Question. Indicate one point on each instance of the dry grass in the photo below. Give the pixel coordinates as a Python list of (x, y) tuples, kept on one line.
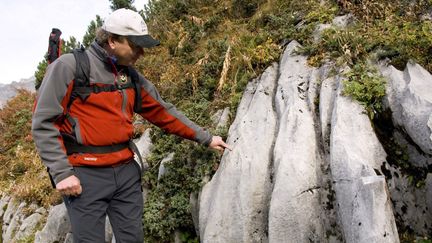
[(226, 65), (22, 173)]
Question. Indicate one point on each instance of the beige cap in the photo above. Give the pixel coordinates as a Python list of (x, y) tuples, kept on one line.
[(126, 22)]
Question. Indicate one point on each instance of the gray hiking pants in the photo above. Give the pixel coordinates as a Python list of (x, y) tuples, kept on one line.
[(113, 191)]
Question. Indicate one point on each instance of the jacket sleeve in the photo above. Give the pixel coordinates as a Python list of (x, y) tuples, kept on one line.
[(166, 116), (48, 110)]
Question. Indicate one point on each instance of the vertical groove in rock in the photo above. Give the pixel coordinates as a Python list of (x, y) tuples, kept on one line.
[(294, 207), (271, 155), (321, 103)]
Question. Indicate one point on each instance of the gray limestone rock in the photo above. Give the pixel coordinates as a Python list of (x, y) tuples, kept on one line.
[(28, 226), (4, 201), (427, 16), (357, 186), (220, 120), (409, 96), (254, 197), (14, 216), (108, 231), (234, 204), (326, 102), (294, 207), (16, 225), (339, 22), (343, 21), (68, 238), (57, 226), (221, 117), (373, 219), (429, 195), (144, 145), (12, 207), (162, 168), (319, 30), (194, 208), (411, 204)]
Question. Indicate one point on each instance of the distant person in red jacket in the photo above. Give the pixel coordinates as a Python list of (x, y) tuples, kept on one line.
[(82, 127)]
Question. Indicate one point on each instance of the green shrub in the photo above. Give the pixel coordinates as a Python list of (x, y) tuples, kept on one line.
[(22, 174), (244, 8), (365, 85), (40, 72), (167, 206), (212, 22)]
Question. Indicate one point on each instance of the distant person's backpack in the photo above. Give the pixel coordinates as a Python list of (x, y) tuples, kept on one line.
[(54, 45), (54, 51)]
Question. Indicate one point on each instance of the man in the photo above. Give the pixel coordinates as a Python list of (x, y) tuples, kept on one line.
[(82, 133)]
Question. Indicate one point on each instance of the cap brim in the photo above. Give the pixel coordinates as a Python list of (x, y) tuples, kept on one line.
[(145, 41)]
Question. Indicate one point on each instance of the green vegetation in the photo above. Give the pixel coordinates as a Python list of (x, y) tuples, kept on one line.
[(167, 206), (364, 84), (383, 29), (209, 51), (40, 72), (406, 238), (91, 32), (424, 241), (22, 173), (116, 4)]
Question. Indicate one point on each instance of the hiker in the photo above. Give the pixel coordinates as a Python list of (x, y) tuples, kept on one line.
[(82, 127)]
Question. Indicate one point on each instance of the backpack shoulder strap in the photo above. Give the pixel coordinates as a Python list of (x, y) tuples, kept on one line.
[(136, 85), (82, 71), (82, 75), (82, 80)]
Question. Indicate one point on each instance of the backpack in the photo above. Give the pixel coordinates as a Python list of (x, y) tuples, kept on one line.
[(82, 90), (54, 45)]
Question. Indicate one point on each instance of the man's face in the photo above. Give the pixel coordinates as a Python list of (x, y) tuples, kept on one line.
[(126, 52)]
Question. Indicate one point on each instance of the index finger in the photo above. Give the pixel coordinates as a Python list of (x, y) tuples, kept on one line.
[(225, 145)]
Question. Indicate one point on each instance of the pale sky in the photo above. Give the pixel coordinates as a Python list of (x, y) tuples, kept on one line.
[(26, 25)]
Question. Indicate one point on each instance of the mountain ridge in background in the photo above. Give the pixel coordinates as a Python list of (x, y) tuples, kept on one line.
[(8, 91)]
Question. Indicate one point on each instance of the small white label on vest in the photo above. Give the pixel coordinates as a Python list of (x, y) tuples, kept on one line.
[(90, 158)]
